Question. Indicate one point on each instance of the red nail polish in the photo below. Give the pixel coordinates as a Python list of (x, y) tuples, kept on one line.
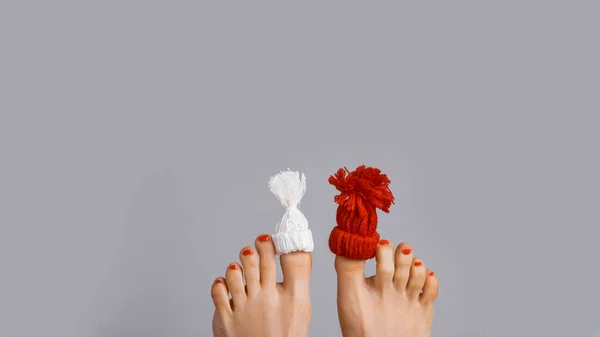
[(233, 266), (218, 280), (384, 242), (247, 251), (418, 263), (263, 238), (406, 251), (430, 273)]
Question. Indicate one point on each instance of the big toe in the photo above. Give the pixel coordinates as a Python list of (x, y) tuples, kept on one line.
[(296, 268), (349, 270)]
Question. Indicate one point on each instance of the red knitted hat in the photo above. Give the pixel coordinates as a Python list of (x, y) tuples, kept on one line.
[(362, 192)]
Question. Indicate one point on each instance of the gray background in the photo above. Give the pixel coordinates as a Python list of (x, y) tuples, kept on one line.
[(137, 138)]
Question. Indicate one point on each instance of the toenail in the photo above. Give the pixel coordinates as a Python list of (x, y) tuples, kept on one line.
[(418, 263), (233, 267), (263, 238), (247, 251), (406, 251), (384, 242), (430, 273), (218, 280)]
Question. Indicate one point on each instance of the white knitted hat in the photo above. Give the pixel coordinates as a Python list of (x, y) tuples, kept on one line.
[(292, 233)]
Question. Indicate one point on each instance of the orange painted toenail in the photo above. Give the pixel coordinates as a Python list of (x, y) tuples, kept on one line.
[(263, 238), (247, 251), (233, 267), (384, 242), (406, 251), (218, 280), (430, 273), (418, 263)]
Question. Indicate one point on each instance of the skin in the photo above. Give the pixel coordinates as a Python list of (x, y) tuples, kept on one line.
[(397, 301), (263, 308)]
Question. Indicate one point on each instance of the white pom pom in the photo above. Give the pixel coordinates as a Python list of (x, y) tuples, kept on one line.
[(292, 233), (288, 187)]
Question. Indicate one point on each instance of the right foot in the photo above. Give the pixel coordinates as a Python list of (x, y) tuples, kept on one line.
[(396, 302), (263, 307)]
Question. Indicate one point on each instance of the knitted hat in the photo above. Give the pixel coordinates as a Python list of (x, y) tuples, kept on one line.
[(292, 233), (362, 191)]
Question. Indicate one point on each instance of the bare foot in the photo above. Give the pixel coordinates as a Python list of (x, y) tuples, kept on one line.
[(397, 301), (263, 308)]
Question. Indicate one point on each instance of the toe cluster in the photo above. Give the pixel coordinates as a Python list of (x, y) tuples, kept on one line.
[(396, 270), (256, 273)]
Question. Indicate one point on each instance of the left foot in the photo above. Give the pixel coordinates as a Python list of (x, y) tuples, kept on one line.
[(263, 307)]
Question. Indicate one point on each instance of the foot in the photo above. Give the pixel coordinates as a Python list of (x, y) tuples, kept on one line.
[(263, 307), (397, 301)]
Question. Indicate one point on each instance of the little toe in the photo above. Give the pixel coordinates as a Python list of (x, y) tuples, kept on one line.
[(266, 252), (296, 268), (249, 261), (235, 283), (384, 271), (416, 280), (403, 262), (430, 290), (220, 295)]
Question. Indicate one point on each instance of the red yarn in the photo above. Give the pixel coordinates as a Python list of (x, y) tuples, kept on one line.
[(362, 192)]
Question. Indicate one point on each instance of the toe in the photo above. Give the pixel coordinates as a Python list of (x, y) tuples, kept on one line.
[(235, 283), (403, 260), (295, 268), (352, 288), (384, 271), (430, 290), (249, 261), (348, 269), (266, 252), (220, 295), (416, 280)]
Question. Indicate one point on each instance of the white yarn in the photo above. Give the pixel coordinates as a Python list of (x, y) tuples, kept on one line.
[(291, 232)]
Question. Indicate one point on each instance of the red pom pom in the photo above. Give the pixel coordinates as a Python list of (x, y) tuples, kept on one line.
[(365, 182)]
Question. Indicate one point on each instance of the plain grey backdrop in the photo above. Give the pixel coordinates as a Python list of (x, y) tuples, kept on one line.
[(137, 138)]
